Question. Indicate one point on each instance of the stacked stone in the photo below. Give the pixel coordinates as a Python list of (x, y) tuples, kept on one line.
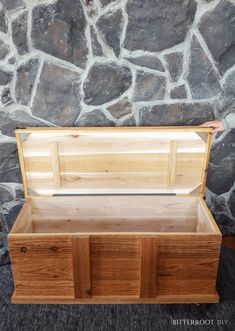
[(117, 63)]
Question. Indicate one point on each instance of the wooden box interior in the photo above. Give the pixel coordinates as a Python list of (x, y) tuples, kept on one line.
[(115, 214)]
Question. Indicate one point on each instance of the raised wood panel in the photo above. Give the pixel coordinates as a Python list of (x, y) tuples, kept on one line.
[(187, 265), (115, 265), (42, 266)]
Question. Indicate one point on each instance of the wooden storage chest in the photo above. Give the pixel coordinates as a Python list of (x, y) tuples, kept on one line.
[(114, 215)]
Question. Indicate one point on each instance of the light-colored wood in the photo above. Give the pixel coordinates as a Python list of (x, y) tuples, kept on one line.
[(107, 161), (188, 171), (96, 163), (116, 225), (55, 163), (90, 130), (205, 220), (22, 165), (81, 267), (202, 224), (110, 214), (160, 299), (206, 161), (172, 163), (23, 222), (114, 184), (70, 144), (203, 136), (103, 233), (115, 172), (95, 214), (148, 267), (197, 190), (113, 206)]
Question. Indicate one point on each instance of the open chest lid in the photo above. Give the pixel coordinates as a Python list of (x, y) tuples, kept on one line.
[(138, 160)]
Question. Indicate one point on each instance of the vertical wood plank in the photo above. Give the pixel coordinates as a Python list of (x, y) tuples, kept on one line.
[(172, 162), (55, 163), (81, 267), (22, 165), (148, 267), (206, 161)]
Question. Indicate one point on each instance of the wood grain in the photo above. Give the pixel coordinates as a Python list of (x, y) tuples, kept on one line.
[(55, 163), (115, 265), (96, 214), (160, 299), (114, 249), (22, 163), (113, 160), (205, 216), (81, 267), (206, 161), (188, 265), (148, 267), (42, 266), (172, 162)]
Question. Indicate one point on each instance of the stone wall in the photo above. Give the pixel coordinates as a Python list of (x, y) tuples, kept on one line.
[(117, 63)]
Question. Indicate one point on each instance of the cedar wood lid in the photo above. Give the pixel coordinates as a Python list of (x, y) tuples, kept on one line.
[(136, 160)]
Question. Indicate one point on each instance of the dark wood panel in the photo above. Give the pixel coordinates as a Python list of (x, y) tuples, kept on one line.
[(42, 266), (188, 265), (81, 267), (115, 265), (148, 267)]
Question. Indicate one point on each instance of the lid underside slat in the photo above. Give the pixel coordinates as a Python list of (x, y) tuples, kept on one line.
[(113, 161)]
